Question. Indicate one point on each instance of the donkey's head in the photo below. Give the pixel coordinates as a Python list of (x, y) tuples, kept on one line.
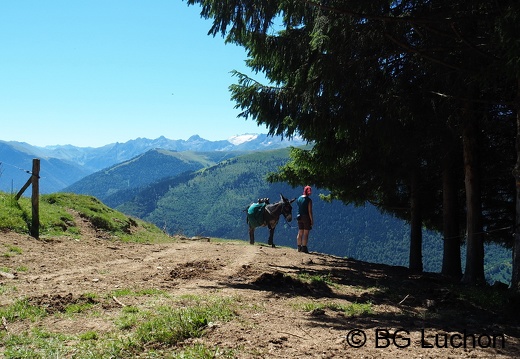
[(286, 207)]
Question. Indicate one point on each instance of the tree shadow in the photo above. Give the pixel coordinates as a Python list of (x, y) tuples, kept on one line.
[(420, 300)]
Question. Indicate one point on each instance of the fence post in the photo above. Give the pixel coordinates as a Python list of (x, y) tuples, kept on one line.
[(35, 198)]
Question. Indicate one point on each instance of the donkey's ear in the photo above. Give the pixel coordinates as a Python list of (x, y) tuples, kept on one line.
[(283, 198), (292, 200)]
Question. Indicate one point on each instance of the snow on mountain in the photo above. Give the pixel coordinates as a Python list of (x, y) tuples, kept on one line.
[(239, 139)]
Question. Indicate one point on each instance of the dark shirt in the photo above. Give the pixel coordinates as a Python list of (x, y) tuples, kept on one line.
[(303, 205)]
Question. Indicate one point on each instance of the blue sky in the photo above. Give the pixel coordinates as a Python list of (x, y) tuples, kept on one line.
[(90, 73)]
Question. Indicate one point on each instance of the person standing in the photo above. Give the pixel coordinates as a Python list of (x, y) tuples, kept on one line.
[(305, 219)]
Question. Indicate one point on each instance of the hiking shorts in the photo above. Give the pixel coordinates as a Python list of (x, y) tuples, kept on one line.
[(304, 222)]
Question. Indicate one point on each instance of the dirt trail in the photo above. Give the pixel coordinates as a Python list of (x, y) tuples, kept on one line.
[(272, 322)]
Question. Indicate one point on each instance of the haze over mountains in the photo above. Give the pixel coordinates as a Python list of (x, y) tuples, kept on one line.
[(62, 165)]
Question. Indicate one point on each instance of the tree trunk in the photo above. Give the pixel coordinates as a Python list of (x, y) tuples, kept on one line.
[(416, 263), (451, 261), (515, 278), (474, 272)]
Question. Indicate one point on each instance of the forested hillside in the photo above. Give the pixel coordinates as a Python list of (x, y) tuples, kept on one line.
[(211, 202), (109, 185)]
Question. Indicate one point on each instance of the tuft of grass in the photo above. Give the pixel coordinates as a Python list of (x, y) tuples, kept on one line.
[(12, 251), (130, 317), (76, 308), (90, 335), (350, 309), (22, 269), (316, 278), (86, 302), (21, 310), (3, 289), (169, 326), (358, 309)]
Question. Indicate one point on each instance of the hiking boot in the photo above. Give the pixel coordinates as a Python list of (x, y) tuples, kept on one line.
[(299, 248), (304, 249)]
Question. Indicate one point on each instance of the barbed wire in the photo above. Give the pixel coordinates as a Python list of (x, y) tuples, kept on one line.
[(18, 168)]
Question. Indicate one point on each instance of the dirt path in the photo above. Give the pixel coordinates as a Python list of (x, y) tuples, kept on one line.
[(272, 323)]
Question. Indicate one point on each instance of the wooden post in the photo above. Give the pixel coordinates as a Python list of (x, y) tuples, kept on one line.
[(25, 186), (35, 226), (35, 197)]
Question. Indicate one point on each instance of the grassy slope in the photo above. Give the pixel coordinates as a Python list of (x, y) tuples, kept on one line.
[(56, 219)]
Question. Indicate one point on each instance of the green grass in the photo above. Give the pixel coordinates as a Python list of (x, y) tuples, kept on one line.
[(3, 289), (128, 319), (12, 216), (155, 332), (89, 335), (12, 251), (56, 218), (350, 309), (22, 269), (167, 326), (22, 310), (316, 278), (76, 308)]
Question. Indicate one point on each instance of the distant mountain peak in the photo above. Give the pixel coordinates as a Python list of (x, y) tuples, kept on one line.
[(195, 138)]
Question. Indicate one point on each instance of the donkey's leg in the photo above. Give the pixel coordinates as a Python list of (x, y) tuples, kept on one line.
[(251, 235), (271, 235)]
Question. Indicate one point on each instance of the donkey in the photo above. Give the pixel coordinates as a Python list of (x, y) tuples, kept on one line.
[(264, 214)]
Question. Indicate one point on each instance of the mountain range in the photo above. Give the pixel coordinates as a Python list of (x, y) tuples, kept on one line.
[(63, 165)]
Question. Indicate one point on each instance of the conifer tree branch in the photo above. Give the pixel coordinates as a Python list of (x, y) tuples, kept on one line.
[(372, 16), (422, 53)]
